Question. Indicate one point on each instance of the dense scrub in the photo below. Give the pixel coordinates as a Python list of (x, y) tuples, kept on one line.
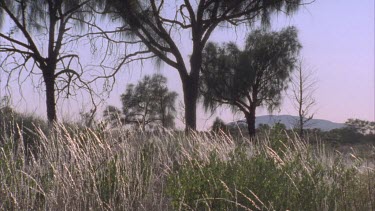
[(99, 169)]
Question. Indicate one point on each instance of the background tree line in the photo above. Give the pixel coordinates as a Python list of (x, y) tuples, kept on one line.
[(42, 33)]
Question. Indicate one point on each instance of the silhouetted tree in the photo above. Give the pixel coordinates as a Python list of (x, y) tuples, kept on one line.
[(155, 25), (39, 41), (149, 103), (250, 78), (303, 86)]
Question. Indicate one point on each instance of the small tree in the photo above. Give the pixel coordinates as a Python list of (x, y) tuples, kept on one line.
[(303, 88), (149, 103), (250, 78)]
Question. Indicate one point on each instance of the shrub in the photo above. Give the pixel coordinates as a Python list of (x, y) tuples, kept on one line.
[(295, 179)]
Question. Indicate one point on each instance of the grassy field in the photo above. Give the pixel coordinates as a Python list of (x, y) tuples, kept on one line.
[(75, 168)]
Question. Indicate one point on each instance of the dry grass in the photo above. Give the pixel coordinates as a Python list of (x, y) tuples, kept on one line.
[(95, 169)]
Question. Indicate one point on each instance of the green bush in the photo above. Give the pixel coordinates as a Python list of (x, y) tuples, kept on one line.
[(268, 181), (21, 131)]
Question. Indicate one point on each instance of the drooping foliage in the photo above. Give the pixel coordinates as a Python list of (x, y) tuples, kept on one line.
[(38, 41), (249, 78), (154, 26)]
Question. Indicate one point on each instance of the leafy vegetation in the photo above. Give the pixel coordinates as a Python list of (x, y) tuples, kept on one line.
[(20, 130), (253, 77), (95, 168), (89, 166), (153, 32), (147, 104), (267, 181)]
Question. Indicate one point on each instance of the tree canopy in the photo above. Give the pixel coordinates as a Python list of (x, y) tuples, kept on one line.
[(255, 76), (155, 26), (39, 40), (147, 104)]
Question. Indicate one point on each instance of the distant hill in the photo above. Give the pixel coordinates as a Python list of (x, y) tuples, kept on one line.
[(289, 122)]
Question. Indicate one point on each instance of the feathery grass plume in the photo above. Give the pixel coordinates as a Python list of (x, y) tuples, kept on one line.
[(79, 168)]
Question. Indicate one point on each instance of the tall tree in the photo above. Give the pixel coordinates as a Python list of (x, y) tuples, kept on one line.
[(250, 78), (303, 86), (147, 104), (156, 25), (38, 41)]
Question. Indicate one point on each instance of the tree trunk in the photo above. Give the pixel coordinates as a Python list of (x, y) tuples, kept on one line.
[(191, 84), (49, 81), (301, 124), (300, 101), (190, 88), (250, 119)]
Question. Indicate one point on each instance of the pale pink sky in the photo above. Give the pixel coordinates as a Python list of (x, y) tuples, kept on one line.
[(338, 42)]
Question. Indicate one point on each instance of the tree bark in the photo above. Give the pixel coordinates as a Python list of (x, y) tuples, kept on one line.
[(190, 83), (190, 88), (250, 119), (301, 126), (49, 81)]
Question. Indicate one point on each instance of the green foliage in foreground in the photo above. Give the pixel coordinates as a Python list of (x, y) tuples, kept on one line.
[(20, 129), (269, 182), (97, 169)]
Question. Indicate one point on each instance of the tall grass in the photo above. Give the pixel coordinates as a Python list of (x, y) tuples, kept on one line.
[(76, 168)]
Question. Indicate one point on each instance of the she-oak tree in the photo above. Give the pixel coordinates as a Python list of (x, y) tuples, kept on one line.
[(156, 23), (250, 78), (39, 42)]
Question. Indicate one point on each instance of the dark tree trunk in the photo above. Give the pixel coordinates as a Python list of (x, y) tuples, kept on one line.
[(300, 126), (300, 100), (250, 119), (190, 84), (49, 81), (190, 88)]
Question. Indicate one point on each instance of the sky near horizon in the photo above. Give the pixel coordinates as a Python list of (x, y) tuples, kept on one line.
[(338, 43)]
